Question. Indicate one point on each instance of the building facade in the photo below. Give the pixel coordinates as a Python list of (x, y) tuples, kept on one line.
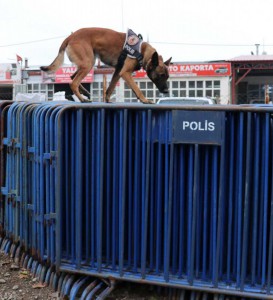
[(206, 79)]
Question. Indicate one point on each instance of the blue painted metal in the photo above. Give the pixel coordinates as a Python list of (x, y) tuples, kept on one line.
[(47, 276), (115, 191), (89, 288), (107, 291), (77, 286)]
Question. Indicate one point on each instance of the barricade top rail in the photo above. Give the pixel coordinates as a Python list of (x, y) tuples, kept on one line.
[(137, 106), (141, 106)]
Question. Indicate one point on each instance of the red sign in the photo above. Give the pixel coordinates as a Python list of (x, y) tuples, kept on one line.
[(63, 75), (186, 70)]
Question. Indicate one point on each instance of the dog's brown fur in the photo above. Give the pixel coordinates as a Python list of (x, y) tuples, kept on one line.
[(84, 45)]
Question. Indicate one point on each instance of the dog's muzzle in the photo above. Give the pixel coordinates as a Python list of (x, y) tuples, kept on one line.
[(164, 91)]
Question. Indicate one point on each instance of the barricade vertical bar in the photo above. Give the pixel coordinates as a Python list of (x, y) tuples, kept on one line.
[(115, 176), (72, 212), (151, 197), (142, 194), (93, 188), (123, 164), (146, 195), (59, 129), (213, 253), (78, 192), (130, 189), (108, 188), (96, 188), (247, 196), (221, 208), (270, 245), (166, 200), (182, 234), (136, 192), (239, 196), (256, 188), (199, 192), (87, 158), (205, 214), (101, 122), (265, 195), (175, 211), (231, 216), (158, 196), (190, 212), (194, 208), (31, 184), (68, 150)]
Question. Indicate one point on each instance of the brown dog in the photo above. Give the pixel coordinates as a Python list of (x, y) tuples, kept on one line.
[(84, 45)]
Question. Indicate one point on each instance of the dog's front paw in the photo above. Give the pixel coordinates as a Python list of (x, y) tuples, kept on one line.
[(87, 100), (148, 102)]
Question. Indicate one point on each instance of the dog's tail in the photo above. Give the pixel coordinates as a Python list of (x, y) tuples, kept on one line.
[(58, 61)]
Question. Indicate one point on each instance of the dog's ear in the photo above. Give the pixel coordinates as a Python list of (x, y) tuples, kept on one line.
[(167, 62), (155, 60)]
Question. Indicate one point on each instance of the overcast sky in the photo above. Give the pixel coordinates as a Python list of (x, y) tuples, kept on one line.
[(187, 30)]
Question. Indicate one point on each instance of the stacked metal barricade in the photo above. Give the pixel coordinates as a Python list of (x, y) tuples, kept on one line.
[(120, 192)]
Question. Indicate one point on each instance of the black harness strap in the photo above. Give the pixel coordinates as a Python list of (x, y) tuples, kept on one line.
[(124, 53)]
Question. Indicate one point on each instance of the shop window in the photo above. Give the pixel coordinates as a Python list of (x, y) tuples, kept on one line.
[(182, 93), (50, 95), (216, 93), (199, 84), (142, 85), (95, 85), (150, 94), (191, 84), (191, 93), (36, 88), (146, 87), (97, 92), (199, 93), (127, 94), (47, 89), (175, 84), (150, 85), (43, 87), (183, 84), (216, 84), (208, 93), (50, 87), (208, 84), (175, 93)]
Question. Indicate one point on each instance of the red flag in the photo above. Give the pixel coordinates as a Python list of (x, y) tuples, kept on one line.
[(19, 58)]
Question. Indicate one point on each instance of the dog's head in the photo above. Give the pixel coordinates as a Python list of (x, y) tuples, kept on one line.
[(157, 71)]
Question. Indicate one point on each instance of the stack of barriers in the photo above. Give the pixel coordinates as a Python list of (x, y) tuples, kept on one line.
[(172, 195)]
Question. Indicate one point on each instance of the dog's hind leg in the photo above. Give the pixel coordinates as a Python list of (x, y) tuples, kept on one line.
[(83, 58), (76, 82), (81, 87)]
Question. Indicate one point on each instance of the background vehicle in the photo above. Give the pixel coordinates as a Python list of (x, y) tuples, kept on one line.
[(186, 100)]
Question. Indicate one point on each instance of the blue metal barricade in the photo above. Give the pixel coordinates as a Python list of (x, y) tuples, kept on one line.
[(176, 196), (164, 211)]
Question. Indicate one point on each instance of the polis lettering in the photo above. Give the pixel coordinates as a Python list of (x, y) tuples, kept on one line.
[(200, 126)]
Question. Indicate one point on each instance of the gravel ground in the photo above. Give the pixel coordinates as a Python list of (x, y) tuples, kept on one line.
[(18, 283)]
